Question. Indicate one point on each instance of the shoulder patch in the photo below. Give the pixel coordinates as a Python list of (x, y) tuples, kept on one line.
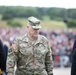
[(14, 46)]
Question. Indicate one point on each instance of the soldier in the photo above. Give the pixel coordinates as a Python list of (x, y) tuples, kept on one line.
[(30, 53)]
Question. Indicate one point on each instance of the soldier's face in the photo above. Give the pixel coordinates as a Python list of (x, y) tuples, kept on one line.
[(33, 32)]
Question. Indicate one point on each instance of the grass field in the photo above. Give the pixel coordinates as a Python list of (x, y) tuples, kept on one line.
[(45, 24), (53, 25)]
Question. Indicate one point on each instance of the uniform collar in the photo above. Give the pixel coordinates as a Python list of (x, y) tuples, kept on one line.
[(26, 39)]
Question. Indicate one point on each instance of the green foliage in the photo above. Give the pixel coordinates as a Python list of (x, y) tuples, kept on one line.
[(7, 17), (46, 18), (0, 17), (13, 23), (71, 23), (24, 12)]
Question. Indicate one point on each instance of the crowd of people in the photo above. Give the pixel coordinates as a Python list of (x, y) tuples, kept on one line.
[(61, 42)]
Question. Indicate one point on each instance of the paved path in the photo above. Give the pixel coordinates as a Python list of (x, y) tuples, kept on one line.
[(61, 71)]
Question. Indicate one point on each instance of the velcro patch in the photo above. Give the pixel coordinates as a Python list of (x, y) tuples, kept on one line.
[(14, 46)]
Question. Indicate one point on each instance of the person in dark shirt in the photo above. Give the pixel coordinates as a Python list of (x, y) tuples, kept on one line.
[(6, 50), (2, 58), (73, 66)]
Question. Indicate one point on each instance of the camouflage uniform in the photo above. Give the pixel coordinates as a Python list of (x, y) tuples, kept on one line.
[(30, 59)]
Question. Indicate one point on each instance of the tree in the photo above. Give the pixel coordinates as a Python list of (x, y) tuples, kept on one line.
[(71, 23), (7, 17), (13, 24)]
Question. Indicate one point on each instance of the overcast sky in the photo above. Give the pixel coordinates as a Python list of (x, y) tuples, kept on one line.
[(40, 3)]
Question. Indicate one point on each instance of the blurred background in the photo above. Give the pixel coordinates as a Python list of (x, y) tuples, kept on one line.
[(58, 21)]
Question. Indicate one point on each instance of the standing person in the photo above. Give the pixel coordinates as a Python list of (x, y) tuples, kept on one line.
[(30, 53), (2, 59), (6, 50), (73, 66)]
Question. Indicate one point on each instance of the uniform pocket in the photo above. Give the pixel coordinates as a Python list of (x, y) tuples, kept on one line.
[(25, 49), (41, 50)]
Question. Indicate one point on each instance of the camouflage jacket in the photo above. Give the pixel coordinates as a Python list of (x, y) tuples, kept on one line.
[(30, 58)]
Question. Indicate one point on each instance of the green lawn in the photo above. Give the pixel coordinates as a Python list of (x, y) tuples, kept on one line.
[(53, 25), (45, 24)]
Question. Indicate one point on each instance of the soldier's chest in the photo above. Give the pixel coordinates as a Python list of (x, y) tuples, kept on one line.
[(30, 48)]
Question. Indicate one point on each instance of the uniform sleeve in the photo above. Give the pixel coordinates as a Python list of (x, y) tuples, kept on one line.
[(49, 61), (12, 59)]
